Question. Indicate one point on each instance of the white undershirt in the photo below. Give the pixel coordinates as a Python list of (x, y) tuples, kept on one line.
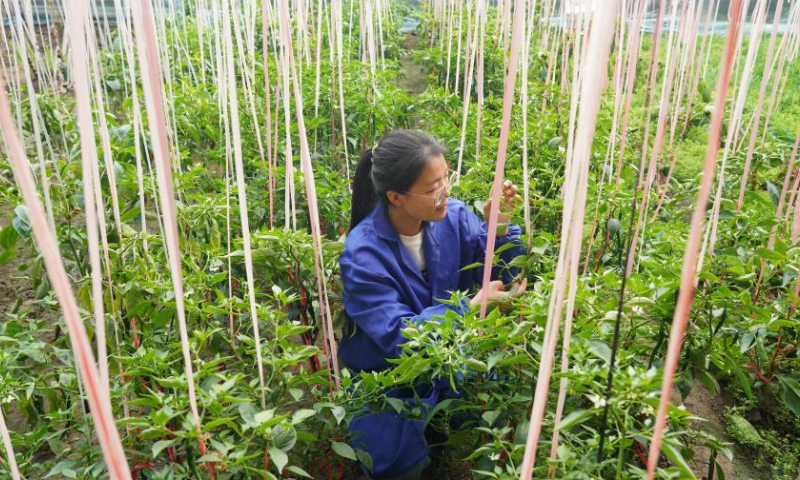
[(414, 246)]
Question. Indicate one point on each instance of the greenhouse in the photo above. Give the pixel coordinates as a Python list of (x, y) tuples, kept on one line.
[(400, 239)]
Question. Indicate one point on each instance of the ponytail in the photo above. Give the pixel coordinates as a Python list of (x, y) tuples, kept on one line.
[(394, 164), (364, 197)]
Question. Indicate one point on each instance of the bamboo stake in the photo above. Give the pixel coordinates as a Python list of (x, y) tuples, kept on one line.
[(700, 61), (248, 85), (290, 213), (317, 67), (381, 47), (34, 108), (658, 143), (784, 191), (711, 43)]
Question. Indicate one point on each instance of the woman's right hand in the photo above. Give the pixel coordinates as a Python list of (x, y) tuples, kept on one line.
[(496, 292)]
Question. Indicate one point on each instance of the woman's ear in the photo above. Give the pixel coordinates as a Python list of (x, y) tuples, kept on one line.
[(394, 198)]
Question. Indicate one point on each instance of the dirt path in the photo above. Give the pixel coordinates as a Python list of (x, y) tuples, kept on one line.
[(16, 294), (414, 77), (711, 406)]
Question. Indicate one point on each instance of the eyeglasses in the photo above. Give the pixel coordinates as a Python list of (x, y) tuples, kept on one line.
[(441, 193)]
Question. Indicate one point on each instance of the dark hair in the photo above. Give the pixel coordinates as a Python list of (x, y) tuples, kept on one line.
[(394, 164)]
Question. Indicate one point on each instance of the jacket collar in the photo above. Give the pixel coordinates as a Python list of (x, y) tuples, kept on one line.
[(384, 228)]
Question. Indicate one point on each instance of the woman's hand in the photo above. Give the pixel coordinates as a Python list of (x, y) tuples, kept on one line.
[(497, 294), (508, 202)]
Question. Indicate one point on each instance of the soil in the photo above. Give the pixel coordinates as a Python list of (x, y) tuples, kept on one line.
[(15, 288), (414, 77), (711, 406)]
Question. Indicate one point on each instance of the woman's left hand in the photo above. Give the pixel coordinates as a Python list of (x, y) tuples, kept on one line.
[(507, 203)]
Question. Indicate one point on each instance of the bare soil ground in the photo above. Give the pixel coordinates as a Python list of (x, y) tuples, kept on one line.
[(414, 78), (711, 406), (15, 291)]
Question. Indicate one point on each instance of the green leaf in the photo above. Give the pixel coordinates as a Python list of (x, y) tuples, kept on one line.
[(284, 437), (160, 445), (599, 349), (298, 471), (344, 450), (64, 469), (709, 381), (302, 414), (521, 432), (338, 413), (471, 266), (791, 394), (774, 193), (209, 458), (395, 403), (477, 365), (719, 470), (218, 422), (365, 458), (770, 255), (494, 358), (747, 341), (296, 393), (248, 412), (278, 457), (676, 458), (744, 382), (490, 416), (263, 416), (574, 418)]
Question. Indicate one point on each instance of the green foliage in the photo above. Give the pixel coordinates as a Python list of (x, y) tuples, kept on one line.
[(742, 339)]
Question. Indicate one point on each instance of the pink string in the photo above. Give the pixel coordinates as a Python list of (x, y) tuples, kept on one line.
[(311, 197), (242, 191), (76, 18), (502, 148), (153, 88), (687, 288), (595, 66), (97, 394), (630, 78), (12, 461), (760, 102)]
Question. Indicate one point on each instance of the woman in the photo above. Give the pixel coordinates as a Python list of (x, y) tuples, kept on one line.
[(407, 244)]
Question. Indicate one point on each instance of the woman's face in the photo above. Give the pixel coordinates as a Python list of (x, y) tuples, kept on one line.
[(420, 201)]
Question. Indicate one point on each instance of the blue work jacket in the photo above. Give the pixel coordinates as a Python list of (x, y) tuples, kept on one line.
[(383, 289)]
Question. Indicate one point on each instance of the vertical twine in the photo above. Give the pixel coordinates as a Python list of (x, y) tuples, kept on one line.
[(687, 287)]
